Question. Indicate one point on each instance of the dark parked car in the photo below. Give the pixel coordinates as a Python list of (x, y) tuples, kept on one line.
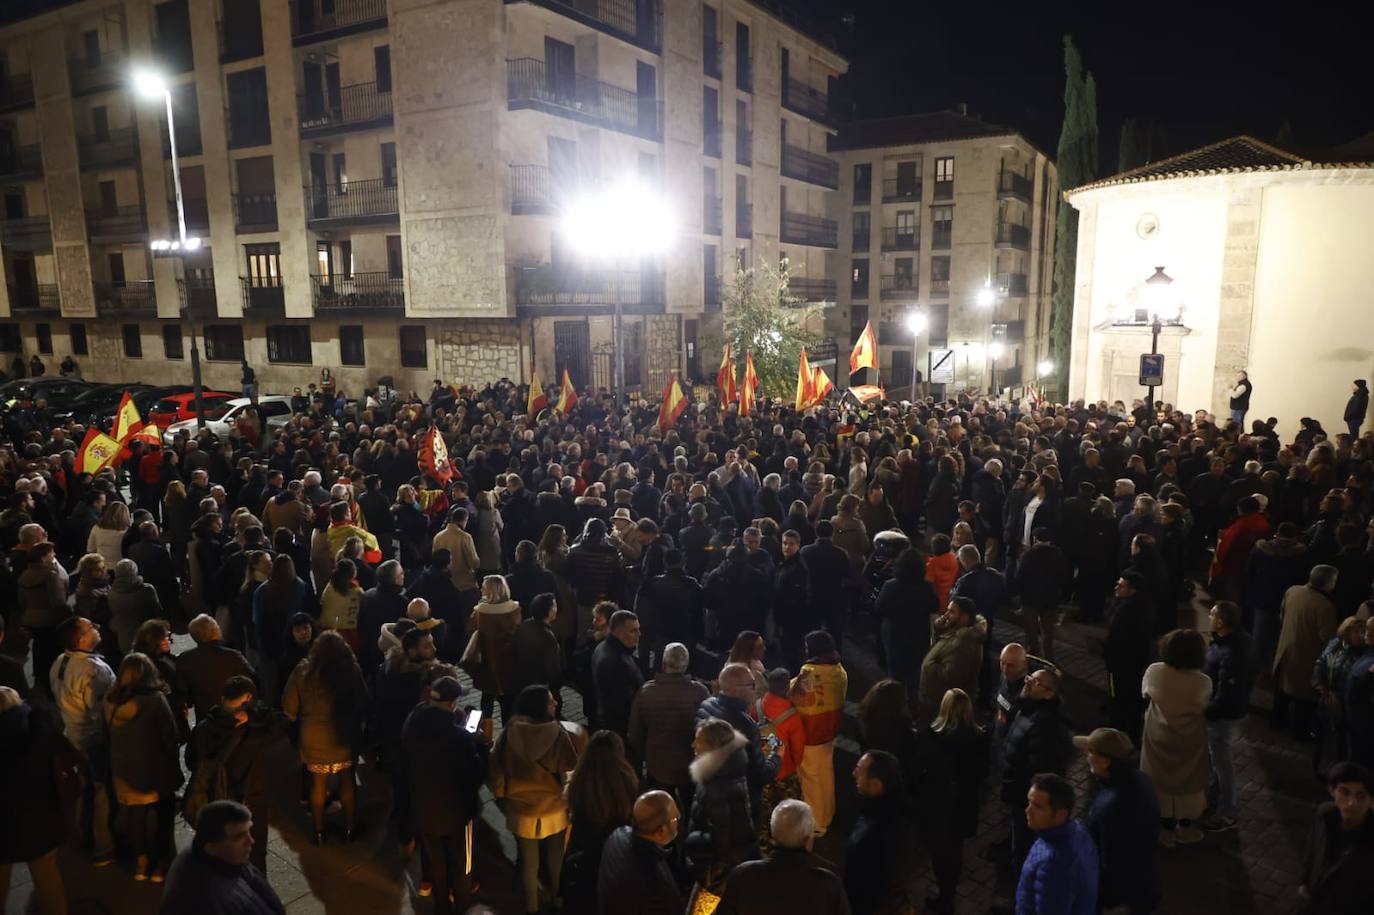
[(100, 401), (57, 392)]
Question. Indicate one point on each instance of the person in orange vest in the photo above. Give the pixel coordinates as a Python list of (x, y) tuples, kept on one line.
[(942, 568), (818, 692), (783, 735)]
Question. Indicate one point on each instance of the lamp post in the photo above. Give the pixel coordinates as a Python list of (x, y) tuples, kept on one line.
[(150, 84), (1164, 307), (995, 351), (618, 223), (916, 323)]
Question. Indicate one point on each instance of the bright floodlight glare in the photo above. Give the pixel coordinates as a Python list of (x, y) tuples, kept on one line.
[(149, 83), (985, 297), (1045, 367), (192, 243), (995, 350), (1160, 297), (916, 323), (625, 219)]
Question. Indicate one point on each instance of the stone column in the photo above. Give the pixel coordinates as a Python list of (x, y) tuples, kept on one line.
[(1083, 304), (1236, 303)]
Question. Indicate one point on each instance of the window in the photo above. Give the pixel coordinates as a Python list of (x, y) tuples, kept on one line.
[(44, 334), (863, 183), (91, 42), (906, 222), (242, 31), (264, 264), (858, 278), (942, 224), (10, 341), (78, 338), (907, 179), (133, 342), (939, 268), (388, 165), (351, 348), (171, 341), (340, 174), (862, 227), (381, 63), (324, 265), (414, 347), (223, 342), (858, 318), (288, 343), (100, 123), (944, 168), (393, 257), (903, 269), (116, 262), (346, 259), (249, 123)]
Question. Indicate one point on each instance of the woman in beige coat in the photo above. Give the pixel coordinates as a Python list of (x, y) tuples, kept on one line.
[(490, 655), (1173, 750), (530, 765), (1309, 619), (850, 534)]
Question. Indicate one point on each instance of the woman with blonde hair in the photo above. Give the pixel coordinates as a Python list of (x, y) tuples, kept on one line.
[(951, 760), (107, 537), (490, 654)]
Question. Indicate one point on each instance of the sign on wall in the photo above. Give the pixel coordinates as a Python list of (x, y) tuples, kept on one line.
[(1151, 370), (941, 366)]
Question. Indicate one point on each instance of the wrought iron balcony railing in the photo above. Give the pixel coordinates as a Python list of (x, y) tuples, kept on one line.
[(812, 289), (27, 233), (1011, 235), (803, 229), (133, 296), (120, 222), (530, 190), (897, 285), (118, 147), (639, 22), (1010, 184), (38, 297), (320, 20), (106, 70), (895, 189), (255, 212), (805, 165), (21, 162), (373, 200), (804, 100), (530, 84), (363, 106), (197, 293), (262, 293), (1012, 283), (359, 290), (900, 239), (547, 284)]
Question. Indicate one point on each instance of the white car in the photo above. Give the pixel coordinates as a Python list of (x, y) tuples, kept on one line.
[(275, 409)]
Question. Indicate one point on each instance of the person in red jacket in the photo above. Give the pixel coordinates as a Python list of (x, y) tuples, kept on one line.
[(783, 735), (942, 568), (1233, 549)]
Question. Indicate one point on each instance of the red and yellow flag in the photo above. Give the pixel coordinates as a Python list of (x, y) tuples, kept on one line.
[(538, 399), (865, 354), (97, 452), (126, 421), (149, 435), (751, 384), (866, 392), (432, 455), (821, 385), (567, 394), (805, 381), (674, 402), (725, 376)]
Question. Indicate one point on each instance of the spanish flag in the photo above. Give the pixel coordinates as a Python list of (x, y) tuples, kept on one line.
[(149, 435), (725, 376), (805, 382), (751, 384), (821, 385), (126, 421), (567, 394), (97, 452), (865, 354), (674, 402), (863, 393), (538, 400), (432, 455)]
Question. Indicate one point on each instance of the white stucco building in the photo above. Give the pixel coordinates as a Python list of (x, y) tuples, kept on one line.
[(1270, 257)]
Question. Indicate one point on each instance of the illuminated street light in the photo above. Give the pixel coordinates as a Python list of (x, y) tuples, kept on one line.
[(916, 323), (1046, 367), (986, 297)]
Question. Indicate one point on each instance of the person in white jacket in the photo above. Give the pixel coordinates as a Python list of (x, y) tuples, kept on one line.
[(80, 678)]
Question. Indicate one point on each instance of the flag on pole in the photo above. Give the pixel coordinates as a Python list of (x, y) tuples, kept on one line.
[(149, 435), (863, 393), (725, 376), (674, 402), (865, 354), (821, 385), (567, 394), (97, 452), (538, 399), (433, 455), (751, 384), (126, 421), (805, 381)]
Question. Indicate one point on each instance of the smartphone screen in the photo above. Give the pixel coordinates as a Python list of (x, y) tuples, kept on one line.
[(474, 718)]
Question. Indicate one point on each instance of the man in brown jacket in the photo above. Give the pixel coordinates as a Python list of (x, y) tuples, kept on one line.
[(455, 538), (288, 509), (663, 723), (1309, 621)]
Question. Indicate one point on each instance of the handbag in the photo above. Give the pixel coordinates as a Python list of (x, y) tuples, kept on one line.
[(472, 654)]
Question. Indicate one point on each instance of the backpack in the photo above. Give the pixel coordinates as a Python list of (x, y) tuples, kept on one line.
[(768, 727), (210, 781)]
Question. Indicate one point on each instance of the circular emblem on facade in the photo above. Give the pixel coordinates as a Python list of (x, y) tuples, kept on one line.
[(1148, 226)]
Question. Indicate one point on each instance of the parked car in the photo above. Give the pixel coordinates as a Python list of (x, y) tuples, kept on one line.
[(275, 409), (58, 392), (179, 407), (100, 401)]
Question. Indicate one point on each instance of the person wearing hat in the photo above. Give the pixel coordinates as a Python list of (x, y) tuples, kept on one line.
[(1128, 650), (445, 765), (1356, 407), (1124, 823)]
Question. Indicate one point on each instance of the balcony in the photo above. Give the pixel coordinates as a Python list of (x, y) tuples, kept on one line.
[(378, 290), (940, 287), (529, 190), (810, 167), (197, 293), (713, 290), (897, 286), (744, 146), (744, 220), (710, 58), (640, 22), (128, 223), (530, 85), (324, 20), (941, 237), (811, 289), (118, 148), (547, 286), (744, 74), (263, 293), (16, 92), (900, 239), (40, 297), (355, 203), (1013, 284), (1012, 185), (27, 233), (812, 103), (107, 70), (944, 190), (1010, 235), (896, 190), (802, 229), (711, 221), (132, 297), (19, 162), (362, 106), (255, 213)]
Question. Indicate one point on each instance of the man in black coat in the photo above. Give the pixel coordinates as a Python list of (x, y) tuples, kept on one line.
[(446, 766), (383, 604), (791, 879), (203, 671), (1041, 576), (828, 566), (1038, 740), (670, 608), (738, 595), (215, 876), (518, 512), (695, 539), (635, 877), (1356, 407), (1128, 650), (538, 655), (376, 509), (615, 673), (878, 853), (155, 565), (527, 578), (1340, 847), (792, 609), (1230, 664)]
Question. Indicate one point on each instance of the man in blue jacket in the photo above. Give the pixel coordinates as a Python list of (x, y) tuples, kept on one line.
[(1060, 873), (1124, 823)]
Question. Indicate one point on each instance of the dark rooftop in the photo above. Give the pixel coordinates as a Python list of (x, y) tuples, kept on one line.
[(915, 128)]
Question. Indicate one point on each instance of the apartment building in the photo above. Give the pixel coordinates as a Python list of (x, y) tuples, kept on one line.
[(952, 217), (378, 186)]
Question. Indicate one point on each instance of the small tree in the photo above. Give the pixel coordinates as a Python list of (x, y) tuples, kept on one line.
[(760, 315)]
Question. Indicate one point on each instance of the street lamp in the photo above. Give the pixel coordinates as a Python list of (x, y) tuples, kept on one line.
[(1045, 368), (986, 297), (916, 323), (1164, 307), (151, 84), (619, 222), (995, 350)]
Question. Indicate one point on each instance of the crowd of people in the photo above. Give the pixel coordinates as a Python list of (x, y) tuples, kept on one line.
[(695, 587)]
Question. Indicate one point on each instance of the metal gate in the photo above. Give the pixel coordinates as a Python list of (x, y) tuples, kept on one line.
[(572, 351)]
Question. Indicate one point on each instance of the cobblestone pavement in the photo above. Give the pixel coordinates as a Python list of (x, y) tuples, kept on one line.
[(1253, 869)]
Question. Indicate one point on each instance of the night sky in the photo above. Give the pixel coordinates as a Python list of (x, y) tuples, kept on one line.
[(1205, 73)]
